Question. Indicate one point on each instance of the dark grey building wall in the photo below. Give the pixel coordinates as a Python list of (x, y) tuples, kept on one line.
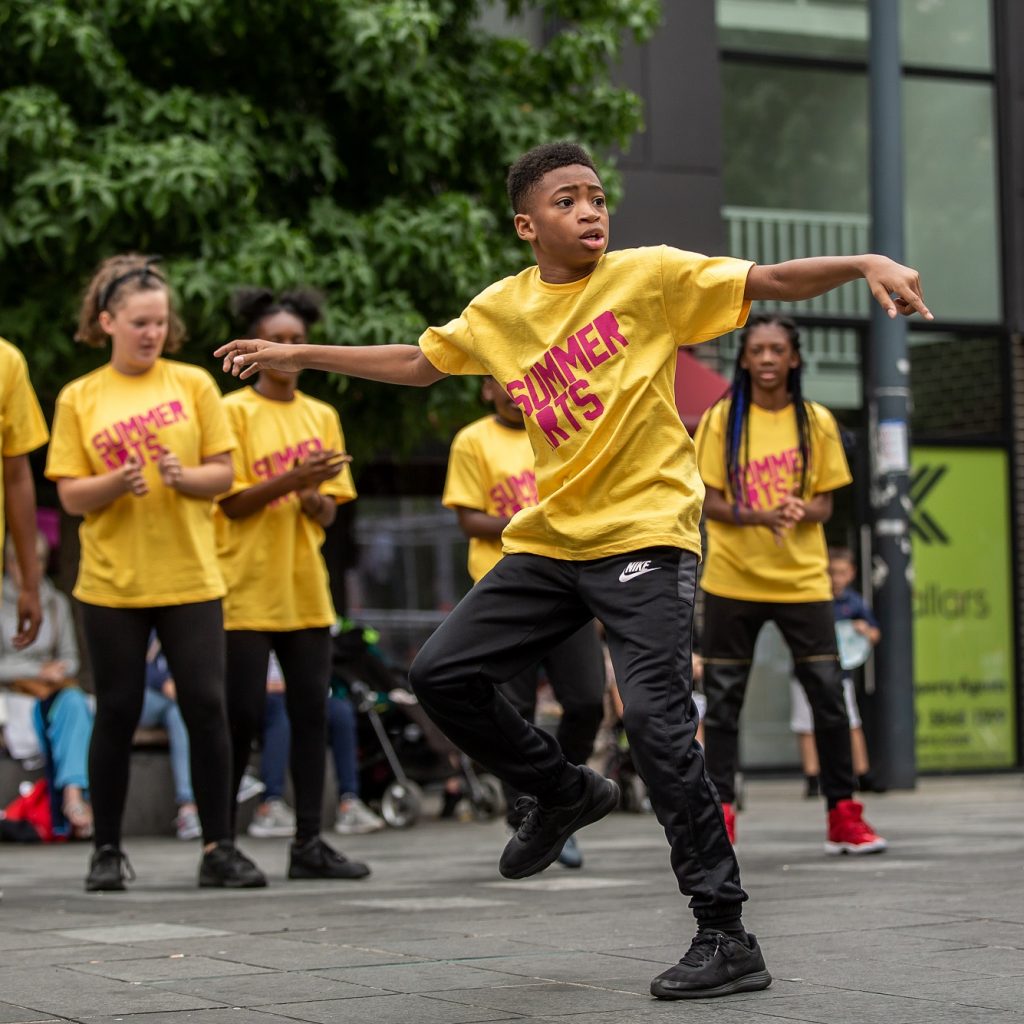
[(673, 170)]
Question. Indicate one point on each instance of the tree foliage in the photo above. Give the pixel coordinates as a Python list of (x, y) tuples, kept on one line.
[(358, 146)]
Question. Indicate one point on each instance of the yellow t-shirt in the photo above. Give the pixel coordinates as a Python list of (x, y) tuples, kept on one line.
[(275, 574), (490, 469), (592, 364), (22, 427), (745, 562), (158, 549)]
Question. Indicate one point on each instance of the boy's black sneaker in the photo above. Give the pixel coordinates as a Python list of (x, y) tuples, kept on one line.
[(716, 964), (226, 867), (108, 870), (315, 859), (543, 832)]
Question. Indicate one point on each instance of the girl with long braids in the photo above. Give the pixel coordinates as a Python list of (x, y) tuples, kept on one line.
[(140, 449), (770, 461), (291, 473)]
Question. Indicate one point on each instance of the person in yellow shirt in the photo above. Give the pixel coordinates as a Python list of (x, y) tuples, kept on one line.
[(490, 479), (770, 461), (140, 448), (291, 473), (585, 342), (22, 430)]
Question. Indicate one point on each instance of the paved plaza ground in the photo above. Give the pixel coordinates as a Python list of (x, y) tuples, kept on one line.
[(929, 933)]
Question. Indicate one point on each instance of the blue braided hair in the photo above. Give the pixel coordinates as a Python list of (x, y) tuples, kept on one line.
[(737, 432)]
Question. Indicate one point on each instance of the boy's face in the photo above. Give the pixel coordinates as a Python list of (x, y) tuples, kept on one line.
[(506, 410), (566, 220), (841, 572)]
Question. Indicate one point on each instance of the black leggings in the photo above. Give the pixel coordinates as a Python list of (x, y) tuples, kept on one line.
[(730, 632), (192, 638), (305, 657)]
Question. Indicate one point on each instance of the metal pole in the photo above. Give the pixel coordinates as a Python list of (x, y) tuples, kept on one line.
[(888, 391)]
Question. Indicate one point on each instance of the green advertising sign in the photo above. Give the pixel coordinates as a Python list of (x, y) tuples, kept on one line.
[(963, 609)]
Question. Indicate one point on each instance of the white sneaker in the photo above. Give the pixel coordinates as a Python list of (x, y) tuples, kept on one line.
[(249, 787), (355, 818), (276, 819), (187, 825)]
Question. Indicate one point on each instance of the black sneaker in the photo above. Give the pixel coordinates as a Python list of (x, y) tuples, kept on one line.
[(108, 870), (315, 859), (716, 964), (544, 830), (226, 867)]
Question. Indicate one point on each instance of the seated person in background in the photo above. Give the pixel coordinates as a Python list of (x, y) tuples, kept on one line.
[(160, 711), (44, 674), (274, 817)]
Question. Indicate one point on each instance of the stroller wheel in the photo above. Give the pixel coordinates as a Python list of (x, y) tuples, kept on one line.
[(401, 804), (490, 800)]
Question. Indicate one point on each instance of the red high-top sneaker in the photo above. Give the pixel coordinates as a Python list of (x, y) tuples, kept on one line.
[(848, 832)]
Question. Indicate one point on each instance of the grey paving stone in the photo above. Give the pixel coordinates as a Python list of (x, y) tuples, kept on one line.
[(167, 968), (146, 932), (60, 992), (269, 987), (218, 1015), (284, 954), (10, 1014), (425, 976), (394, 1009), (548, 998)]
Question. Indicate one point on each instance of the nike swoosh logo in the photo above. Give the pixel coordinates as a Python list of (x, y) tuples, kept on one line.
[(625, 576)]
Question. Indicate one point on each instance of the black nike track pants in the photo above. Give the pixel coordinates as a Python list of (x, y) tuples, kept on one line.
[(527, 605)]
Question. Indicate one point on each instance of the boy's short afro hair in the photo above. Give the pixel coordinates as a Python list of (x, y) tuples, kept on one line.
[(524, 174)]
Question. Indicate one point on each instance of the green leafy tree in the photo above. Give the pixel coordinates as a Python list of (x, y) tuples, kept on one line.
[(357, 146)]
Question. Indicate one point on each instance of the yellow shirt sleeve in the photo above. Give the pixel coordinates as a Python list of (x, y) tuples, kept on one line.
[(464, 486), (67, 456), (214, 427), (703, 295), (342, 488), (709, 442), (450, 348), (24, 428), (831, 470)]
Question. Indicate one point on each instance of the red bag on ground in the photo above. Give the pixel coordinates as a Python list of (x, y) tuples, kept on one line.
[(31, 810)]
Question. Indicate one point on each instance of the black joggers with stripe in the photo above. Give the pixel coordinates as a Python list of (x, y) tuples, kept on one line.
[(524, 607)]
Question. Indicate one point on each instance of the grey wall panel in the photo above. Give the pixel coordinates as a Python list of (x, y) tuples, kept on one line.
[(1009, 47), (672, 171), (671, 207)]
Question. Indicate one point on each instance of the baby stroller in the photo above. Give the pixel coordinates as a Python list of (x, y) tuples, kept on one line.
[(400, 748)]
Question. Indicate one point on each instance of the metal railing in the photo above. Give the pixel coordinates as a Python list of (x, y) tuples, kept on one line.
[(772, 236)]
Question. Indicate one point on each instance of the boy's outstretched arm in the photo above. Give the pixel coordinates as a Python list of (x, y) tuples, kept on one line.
[(391, 364), (896, 288)]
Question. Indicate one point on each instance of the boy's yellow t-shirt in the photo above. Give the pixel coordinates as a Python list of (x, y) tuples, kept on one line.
[(158, 549), (490, 469), (275, 574), (592, 364), (22, 427), (745, 562)]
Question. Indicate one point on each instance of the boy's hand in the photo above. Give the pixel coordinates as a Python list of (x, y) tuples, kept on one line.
[(131, 476), (247, 356), (896, 288)]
